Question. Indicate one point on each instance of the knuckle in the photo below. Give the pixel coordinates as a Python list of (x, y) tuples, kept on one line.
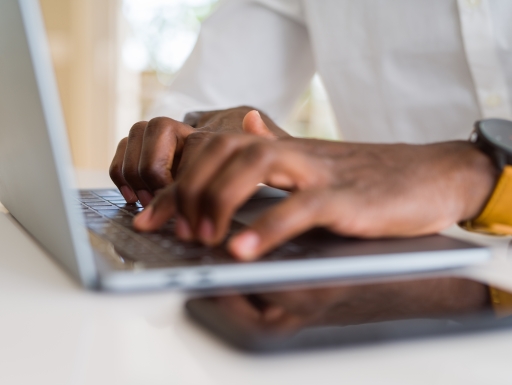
[(114, 171), (147, 171), (137, 130), (157, 124), (225, 141), (258, 152), (117, 162), (160, 120), (122, 143), (215, 199), (152, 173), (130, 173), (184, 194), (164, 124), (198, 137)]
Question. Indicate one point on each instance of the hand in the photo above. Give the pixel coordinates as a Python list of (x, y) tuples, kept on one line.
[(363, 190), (349, 304), (155, 152)]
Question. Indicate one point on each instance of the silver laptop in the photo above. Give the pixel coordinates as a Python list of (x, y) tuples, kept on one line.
[(89, 232)]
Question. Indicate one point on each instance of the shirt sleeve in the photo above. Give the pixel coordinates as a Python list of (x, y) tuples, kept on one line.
[(249, 52)]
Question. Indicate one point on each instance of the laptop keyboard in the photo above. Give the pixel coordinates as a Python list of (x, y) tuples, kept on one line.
[(107, 214)]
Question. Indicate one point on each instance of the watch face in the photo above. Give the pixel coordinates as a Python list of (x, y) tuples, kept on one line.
[(498, 132)]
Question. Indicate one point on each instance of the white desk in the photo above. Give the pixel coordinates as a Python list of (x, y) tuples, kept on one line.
[(53, 332)]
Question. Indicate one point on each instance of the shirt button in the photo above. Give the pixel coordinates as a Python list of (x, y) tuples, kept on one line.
[(493, 100), (473, 3)]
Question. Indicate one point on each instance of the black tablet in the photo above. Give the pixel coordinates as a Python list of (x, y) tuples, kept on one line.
[(341, 314)]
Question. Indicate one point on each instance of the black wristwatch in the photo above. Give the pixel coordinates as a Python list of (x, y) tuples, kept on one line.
[(494, 138)]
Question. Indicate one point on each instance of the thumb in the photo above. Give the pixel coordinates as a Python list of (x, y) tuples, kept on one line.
[(254, 124), (294, 215)]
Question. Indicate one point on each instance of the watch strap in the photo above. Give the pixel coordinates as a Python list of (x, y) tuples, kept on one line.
[(496, 217), (501, 302)]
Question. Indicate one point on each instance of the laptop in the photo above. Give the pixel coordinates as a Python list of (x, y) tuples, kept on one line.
[(90, 233)]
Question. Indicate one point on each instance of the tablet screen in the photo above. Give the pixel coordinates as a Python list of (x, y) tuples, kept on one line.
[(344, 314)]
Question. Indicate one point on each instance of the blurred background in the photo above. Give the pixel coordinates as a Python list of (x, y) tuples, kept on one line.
[(113, 58)]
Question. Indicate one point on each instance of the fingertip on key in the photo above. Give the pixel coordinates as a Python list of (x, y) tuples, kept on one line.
[(143, 220), (128, 194), (206, 231), (145, 197), (244, 245), (183, 230)]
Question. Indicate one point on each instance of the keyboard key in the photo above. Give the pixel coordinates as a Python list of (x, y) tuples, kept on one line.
[(125, 222), (102, 204), (131, 209), (119, 202), (98, 226), (109, 212), (115, 224), (89, 215), (107, 193), (165, 243), (86, 194)]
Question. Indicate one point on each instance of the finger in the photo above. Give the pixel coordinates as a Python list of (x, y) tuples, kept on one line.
[(235, 182), (298, 213), (194, 143), (201, 171), (116, 173), (260, 162), (253, 124), (240, 306), (163, 141), (131, 163), (252, 318), (161, 209)]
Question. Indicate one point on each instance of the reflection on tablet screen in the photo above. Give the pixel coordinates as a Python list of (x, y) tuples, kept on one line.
[(345, 314)]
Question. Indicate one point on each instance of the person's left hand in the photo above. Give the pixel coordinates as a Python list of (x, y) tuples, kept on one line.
[(363, 190)]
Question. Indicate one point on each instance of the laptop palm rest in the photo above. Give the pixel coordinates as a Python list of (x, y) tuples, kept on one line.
[(327, 243)]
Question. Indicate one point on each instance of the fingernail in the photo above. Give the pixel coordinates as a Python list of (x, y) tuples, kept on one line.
[(143, 220), (183, 229), (128, 194), (145, 197), (206, 230), (244, 245)]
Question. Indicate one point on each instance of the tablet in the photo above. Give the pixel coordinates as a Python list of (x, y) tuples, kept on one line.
[(341, 314)]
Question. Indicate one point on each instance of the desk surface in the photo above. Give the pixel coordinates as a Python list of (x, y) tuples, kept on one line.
[(53, 332)]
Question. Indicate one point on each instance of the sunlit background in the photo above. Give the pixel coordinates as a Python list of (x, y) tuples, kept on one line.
[(113, 58)]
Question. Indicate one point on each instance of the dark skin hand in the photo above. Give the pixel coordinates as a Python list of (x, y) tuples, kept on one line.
[(357, 304), (354, 189), (155, 152)]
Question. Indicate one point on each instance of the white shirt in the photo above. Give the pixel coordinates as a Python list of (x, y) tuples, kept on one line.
[(414, 71)]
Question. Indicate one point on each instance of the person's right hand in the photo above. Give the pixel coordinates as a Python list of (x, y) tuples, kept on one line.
[(156, 151), (353, 189)]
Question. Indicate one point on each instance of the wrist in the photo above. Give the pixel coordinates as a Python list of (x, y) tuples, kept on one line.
[(479, 176), (494, 138)]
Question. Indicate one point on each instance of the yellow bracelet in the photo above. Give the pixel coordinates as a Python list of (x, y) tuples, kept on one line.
[(501, 302), (496, 218)]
